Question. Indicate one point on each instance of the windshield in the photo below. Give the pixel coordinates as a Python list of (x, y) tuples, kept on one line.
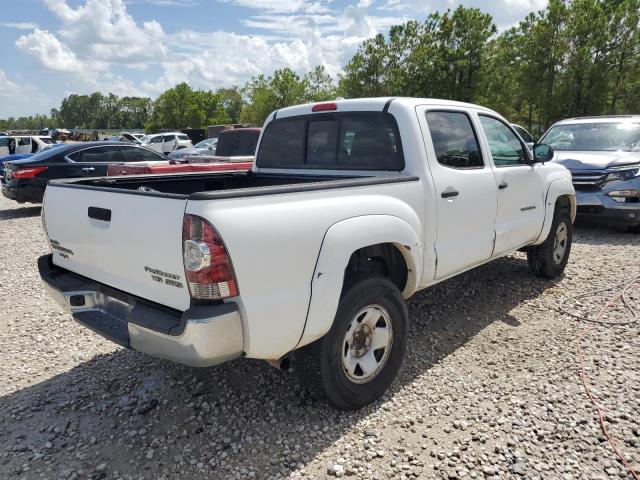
[(598, 137), (204, 143)]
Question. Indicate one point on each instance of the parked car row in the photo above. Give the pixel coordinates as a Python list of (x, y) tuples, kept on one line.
[(25, 180), (602, 154)]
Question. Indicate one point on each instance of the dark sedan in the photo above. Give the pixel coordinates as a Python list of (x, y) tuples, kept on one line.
[(25, 180)]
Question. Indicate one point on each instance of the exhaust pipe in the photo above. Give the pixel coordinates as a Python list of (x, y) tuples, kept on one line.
[(284, 364)]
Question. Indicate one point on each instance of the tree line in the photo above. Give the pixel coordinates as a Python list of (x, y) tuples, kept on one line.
[(578, 57)]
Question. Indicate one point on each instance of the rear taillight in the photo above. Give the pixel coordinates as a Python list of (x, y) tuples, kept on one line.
[(27, 172), (207, 265)]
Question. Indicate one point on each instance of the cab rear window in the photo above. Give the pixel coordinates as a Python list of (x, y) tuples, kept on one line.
[(333, 141)]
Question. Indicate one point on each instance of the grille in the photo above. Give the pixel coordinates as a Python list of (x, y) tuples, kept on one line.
[(588, 180)]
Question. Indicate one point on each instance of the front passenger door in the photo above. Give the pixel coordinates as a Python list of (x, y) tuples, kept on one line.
[(520, 190)]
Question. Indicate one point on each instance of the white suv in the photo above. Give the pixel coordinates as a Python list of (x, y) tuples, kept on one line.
[(167, 142)]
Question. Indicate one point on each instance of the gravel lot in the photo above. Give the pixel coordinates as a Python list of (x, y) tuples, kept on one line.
[(491, 387)]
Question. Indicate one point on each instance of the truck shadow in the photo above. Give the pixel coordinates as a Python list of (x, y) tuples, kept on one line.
[(149, 417), (22, 212)]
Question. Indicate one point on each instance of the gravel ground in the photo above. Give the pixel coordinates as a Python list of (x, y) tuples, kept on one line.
[(491, 387)]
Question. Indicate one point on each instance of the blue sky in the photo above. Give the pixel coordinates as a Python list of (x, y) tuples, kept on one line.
[(53, 48)]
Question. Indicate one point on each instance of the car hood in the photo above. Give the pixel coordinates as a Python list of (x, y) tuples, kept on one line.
[(595, 160)]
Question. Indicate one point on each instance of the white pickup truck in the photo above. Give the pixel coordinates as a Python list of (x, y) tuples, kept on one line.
[(351, 207)]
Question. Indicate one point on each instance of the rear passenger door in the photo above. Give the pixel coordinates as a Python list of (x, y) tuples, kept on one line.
[(520, 191), (465, 187), (94, 161)]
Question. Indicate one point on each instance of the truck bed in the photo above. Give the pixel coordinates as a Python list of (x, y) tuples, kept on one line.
[(208, 185)]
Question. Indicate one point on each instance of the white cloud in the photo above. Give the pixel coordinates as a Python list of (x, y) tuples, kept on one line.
[(20, 25), (49, 51), (105, 31), (282, 6), (98, 45), (19, 98)]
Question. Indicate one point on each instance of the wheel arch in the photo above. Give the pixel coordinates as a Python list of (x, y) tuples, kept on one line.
[(560, 194), (387, 239)]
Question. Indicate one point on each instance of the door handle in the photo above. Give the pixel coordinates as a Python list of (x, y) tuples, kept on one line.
[(96, 213), (88, 169), (503, 185), (449, 193)]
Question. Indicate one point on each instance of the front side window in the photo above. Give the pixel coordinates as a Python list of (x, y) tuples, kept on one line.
[(594, 137), (454, 139), (4, 142), (506, 148), (138, 154), (333, 141)]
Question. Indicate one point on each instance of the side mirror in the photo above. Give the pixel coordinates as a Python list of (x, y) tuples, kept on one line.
[(542, 153)]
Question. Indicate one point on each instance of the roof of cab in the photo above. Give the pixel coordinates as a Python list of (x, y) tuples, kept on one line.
[(373, 104)]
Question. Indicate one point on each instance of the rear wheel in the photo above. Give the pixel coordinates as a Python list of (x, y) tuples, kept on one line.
[(356, 361), (634, 229), (550, 258)]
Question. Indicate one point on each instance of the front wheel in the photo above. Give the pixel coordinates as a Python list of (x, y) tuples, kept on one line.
[(356, 361), (550, 258)]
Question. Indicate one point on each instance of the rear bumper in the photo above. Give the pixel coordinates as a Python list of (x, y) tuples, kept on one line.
[(199, 337), (598, 207), (23, 192)]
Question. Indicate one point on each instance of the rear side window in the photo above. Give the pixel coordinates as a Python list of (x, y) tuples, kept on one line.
[(454, 140), (98, 155), (168, 138), (24, 141), (183, 137), (335, 141), (46, 140)]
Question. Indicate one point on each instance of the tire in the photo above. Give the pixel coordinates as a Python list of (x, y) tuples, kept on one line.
[(634, 229), (549, 259), (370, 371)]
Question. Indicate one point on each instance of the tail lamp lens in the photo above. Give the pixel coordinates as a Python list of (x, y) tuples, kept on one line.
[(207, 265), (28, 172)]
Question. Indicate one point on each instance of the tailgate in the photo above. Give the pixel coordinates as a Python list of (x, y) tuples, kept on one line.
[(128, 241)]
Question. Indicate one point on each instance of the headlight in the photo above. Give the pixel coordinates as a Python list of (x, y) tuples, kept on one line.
[(622, 175)]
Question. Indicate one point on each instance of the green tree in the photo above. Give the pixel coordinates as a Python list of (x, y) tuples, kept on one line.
[(319, 85), (266, 94)]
